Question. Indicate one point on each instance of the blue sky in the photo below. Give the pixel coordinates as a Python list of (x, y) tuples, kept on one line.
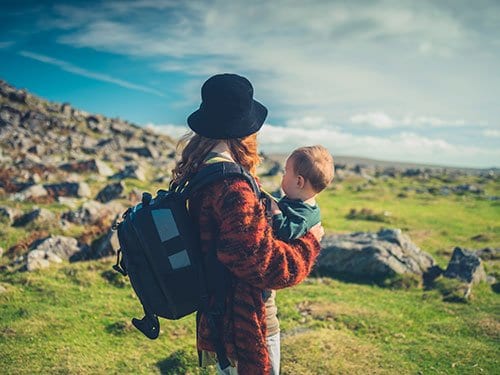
[(396, 80)]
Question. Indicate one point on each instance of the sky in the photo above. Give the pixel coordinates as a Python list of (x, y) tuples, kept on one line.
[(400, 80)]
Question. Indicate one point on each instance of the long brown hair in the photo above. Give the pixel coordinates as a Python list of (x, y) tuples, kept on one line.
[(195, 149)]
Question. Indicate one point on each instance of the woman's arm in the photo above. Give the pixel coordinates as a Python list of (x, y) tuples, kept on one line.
[(247, 247)]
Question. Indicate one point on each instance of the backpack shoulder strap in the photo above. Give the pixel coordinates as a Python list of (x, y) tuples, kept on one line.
[(218, 171)]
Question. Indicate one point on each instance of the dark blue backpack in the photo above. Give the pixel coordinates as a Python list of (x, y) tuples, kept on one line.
[(160, 252)]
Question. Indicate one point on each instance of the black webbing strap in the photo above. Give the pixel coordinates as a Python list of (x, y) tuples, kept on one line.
[(217, 171)]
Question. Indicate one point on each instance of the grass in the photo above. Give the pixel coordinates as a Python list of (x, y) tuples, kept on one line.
[(75, 318)]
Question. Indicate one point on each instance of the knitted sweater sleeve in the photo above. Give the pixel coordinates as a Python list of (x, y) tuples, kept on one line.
[(246, 244)]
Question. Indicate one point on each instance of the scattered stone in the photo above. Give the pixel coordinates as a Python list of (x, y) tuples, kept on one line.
[(105, 246), (30, 193), (465, 265), (63, 247), (37, 217), (9, 116), (66, 109), (488, 253), (8, 214), (467, 188), (95, 124), (372, 256), (111, 191), (491, 279), (481, 238), (131, 171), (69, 189), (89, 213), (36, 261), (92, 165), (147, 151)]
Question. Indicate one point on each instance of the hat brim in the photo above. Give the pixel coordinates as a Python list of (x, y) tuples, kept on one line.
[(207, 126)]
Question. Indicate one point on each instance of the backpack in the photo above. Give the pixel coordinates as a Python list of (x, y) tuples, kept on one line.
[(160, 253)]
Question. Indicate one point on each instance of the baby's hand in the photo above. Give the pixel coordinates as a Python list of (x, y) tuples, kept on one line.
[(318, 231), (274, 207)]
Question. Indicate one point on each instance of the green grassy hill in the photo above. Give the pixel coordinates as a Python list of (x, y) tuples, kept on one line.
[(75, 318)]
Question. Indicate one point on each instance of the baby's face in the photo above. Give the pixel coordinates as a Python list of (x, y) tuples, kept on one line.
[(289, 183)]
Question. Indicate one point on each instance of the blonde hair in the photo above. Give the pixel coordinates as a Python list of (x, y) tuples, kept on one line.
[(315, 164), (195, 149)]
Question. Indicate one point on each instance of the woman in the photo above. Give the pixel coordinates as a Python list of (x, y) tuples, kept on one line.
[(233, 221)]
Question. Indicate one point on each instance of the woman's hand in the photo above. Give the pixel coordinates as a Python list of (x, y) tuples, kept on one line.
[(275, 210), (318, 231)]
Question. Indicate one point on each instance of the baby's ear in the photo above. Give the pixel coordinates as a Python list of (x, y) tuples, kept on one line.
[(300, 182)]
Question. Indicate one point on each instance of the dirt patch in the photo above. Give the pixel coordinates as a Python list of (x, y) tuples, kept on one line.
[(329, 311), (490, 327)]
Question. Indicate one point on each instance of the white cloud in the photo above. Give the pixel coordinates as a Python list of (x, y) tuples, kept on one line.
[(376, 119), (68, 67), (493, 133), (381, 120), (309, 122), (305, 57), (403, 146), (175, 131)]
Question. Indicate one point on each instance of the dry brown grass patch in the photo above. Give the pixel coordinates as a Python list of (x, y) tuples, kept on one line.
[(332, 352)]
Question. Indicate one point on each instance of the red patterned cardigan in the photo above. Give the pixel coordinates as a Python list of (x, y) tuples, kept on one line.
[(233, 219)]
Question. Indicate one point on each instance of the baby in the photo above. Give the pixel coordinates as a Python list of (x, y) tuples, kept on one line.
[(308, 171)]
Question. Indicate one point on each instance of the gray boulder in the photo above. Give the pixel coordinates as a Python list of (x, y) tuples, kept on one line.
[(372, 256), (111, 191), (466, 266), (63, 247), (131, 171), (8, 214), (105, 246), (69, 189), (9, 116), (92, 165), (489, 253), (31, 192), (53, 249), (38, 216), (38, 259), (89, 213), (146, 151)]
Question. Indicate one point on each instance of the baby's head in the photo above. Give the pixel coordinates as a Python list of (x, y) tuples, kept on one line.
[(308, 171)]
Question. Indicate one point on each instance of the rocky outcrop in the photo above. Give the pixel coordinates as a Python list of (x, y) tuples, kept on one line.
[(488, 253), (111, 191), (372, 256), (131, 171), (69, 189), (89, 213), (105, 246), (8, 214), (52, 249), (147, 152), (92, 165), (30, 193), (466, 266), (36, 217)]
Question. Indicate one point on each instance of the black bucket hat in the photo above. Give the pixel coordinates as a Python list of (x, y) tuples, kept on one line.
[(228, 109)]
